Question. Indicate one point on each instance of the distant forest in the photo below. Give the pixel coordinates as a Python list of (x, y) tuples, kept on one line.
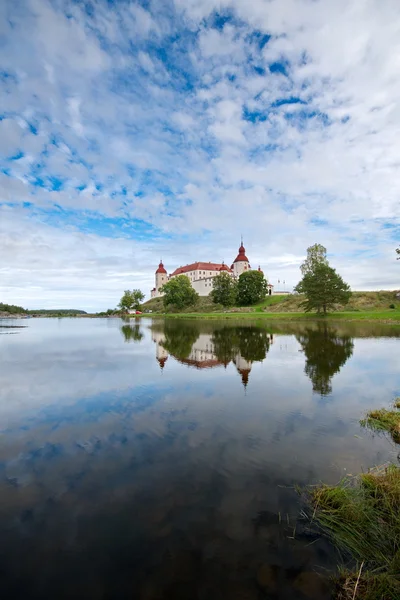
[(13, 310), (57, 311)]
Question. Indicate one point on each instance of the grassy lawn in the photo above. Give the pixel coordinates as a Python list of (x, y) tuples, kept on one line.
[(363, 306), (388, 316)]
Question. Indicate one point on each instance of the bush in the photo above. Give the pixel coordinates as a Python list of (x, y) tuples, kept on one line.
[(392, 306)]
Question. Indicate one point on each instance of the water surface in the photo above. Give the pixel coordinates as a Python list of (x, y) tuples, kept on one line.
[(157, 460)]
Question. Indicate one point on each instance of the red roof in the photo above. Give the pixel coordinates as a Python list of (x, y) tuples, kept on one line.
[(162, 361), (245, 376), (241, 257), (224, 267), (161, 268), (199, 266)]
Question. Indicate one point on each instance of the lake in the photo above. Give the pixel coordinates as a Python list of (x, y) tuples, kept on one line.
[(158, 459)]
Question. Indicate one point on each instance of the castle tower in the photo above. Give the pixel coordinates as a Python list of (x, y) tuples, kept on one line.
[(161, 277), (241, 263)]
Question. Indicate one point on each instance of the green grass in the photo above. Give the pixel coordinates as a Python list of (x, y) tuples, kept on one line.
[(385, 420), (363, 306), (379, 316), (363, 519)]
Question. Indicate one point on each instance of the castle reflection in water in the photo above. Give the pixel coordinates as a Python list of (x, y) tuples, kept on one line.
[(203, 350)]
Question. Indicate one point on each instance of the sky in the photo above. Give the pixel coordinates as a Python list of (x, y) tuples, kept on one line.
[(137, 130)]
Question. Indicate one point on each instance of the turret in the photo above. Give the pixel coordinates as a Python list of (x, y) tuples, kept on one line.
[(161, 277), (223, 267), (241, 263)]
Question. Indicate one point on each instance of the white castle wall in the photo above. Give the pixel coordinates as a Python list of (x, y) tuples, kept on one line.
[(203, 286), (240, 267)]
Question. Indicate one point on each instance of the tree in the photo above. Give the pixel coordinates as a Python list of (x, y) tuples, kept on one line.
[(323, 288), (131, 300), (178, 292), (316, 255), (251, 288), (224, 290)]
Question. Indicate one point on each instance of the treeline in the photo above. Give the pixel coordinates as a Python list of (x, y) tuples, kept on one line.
[(57, 311), (12, 309)]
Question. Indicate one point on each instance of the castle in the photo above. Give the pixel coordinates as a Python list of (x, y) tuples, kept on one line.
[(201, 274)]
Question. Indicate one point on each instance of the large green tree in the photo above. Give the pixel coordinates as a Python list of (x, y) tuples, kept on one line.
[(131, 300), (251, 288), (316, 255), (323, 289), (178, 293), (224, 290)]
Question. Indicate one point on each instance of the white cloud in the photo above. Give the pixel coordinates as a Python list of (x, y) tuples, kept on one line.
[(136, 115)]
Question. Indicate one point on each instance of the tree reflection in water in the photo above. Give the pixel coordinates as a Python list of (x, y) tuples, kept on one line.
[(132, 333), (179, 338), (251, 343), (206, 345), (326, 352)]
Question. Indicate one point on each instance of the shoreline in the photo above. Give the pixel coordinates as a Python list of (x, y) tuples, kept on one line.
[(383, 317), (378, 317)]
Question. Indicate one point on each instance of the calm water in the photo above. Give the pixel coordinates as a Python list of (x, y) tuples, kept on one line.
[(156, 460)]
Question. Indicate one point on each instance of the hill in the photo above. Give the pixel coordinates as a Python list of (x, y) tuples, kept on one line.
[(359, 302)]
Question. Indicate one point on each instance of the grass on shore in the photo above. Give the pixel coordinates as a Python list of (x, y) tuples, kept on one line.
[(385, 420), (389, 317), (364, 520), (363, 306)]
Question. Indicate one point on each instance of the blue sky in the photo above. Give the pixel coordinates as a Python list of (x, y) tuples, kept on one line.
[(134, 130)]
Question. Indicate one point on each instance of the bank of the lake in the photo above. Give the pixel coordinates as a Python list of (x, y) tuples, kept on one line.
[(388, 317), (382, 306), (362, 517)]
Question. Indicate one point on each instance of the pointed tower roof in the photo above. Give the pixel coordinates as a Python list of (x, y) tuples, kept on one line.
[(161, 268), (162, 361), (241, 257), (245, 376), (259, 270)]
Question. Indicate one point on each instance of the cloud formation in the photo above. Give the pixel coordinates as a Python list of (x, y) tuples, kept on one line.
[(130, 131)]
